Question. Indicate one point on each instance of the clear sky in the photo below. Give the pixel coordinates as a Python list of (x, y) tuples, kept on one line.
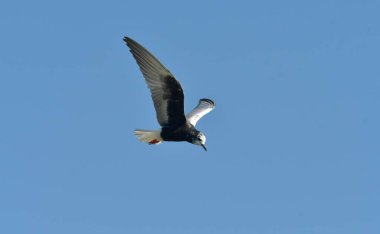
[(293, 142)]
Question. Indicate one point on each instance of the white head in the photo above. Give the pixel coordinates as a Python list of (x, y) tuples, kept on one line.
[(200, 140)]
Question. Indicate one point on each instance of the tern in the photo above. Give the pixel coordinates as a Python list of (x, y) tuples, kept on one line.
[(168, 100)]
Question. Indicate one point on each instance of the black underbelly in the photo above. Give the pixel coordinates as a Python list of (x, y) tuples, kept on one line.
[(175, 134)]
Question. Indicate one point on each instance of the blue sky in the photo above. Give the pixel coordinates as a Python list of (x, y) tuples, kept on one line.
[(293, 143)]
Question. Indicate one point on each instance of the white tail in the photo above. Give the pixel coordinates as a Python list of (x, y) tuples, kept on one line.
[(149, 136)]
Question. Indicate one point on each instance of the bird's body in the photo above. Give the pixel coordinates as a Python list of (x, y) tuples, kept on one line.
[(183, 132), (168, 100)]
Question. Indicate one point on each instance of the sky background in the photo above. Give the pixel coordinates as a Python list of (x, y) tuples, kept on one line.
[(293, 141)]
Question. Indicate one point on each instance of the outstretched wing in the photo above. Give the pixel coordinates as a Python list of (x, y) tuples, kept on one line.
[(204, 107), (167, 93)]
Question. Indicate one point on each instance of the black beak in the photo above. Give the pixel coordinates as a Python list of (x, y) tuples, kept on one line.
[(204, 147)]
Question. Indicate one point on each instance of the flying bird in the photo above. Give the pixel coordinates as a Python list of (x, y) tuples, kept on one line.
[(167, 95)]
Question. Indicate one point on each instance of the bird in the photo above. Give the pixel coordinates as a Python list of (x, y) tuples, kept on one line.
[(168, 100)]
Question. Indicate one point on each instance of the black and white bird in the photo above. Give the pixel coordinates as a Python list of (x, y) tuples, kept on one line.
[(168, 100)]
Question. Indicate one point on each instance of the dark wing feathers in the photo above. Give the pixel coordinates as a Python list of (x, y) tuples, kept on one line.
[(167, 93), (173, 95)]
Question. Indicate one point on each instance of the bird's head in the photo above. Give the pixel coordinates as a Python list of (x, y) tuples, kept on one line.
[(199, 139)]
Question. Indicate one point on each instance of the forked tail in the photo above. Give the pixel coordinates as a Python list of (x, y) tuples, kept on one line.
[(149, 136)]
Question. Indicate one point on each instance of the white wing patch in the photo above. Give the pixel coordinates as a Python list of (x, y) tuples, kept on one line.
[(204, 107)]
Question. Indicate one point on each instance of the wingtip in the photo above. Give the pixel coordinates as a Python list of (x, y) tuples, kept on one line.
[(126, 39), (129, 41), (207, 100)]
